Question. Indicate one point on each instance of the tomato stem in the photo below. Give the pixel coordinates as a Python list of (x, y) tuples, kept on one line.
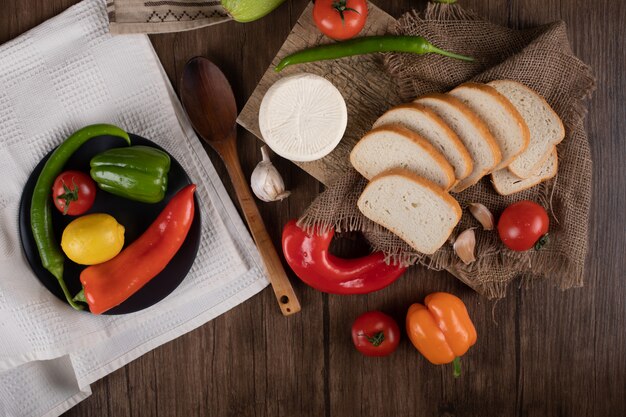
[(457, 367), (543, 240), (377, 339), (70, 194), (341, 7)]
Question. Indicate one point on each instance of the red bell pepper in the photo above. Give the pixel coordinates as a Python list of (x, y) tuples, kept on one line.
[(309, 257), (108, 284)]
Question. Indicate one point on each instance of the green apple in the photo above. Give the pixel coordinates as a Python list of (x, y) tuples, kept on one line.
[(249, 10)]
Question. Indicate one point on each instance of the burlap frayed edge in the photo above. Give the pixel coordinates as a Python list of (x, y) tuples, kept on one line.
[(557, 264), (342, 224), (348, 224), (437, 12), (578, 109)]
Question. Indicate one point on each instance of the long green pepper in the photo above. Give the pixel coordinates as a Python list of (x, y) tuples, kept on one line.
[(52, 257), (366, 45)]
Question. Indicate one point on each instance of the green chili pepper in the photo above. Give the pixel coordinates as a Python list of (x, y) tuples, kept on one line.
[(40, 207), (138, 173), (366, 45)]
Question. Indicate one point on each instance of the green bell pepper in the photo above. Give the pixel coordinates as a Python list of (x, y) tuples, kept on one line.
[(138, 172)]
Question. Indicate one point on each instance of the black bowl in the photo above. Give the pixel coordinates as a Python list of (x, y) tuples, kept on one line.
[(133, 215)]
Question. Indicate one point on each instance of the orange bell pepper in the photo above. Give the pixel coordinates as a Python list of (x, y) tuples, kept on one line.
[(441, 330)]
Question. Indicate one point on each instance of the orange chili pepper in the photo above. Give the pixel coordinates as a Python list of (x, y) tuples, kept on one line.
[(442, 330)]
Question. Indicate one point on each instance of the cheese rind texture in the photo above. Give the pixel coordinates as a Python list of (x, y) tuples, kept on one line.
[(303, 117)]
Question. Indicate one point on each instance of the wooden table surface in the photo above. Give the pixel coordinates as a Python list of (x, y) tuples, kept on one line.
[(541, 351)]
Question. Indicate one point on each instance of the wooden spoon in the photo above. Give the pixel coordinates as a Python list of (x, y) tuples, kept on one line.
[(209, 101)]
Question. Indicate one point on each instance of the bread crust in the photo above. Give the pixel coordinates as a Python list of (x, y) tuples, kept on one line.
[(459, 146), (525, 87), (483, 130), (510, 108), (521, 86), (422, 182), (416, 138), (476, 121), (538, 179)]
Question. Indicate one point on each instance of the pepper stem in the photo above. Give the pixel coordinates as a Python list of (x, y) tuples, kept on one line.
[(445, 1), (433, 48), (457, 367), (67, 294), (80, 296)]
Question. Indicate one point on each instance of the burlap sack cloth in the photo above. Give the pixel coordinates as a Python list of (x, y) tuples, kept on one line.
[(540, 58)]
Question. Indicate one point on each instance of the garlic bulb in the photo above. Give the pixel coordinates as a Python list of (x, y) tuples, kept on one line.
[(483, 215), (464, 246), (266, 182)]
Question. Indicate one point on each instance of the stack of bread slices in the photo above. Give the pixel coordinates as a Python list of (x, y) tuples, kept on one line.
[(417, 153)]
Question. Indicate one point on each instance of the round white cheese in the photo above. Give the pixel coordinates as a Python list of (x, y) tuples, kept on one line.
[(303, 117)]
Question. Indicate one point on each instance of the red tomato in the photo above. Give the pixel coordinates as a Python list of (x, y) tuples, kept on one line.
[(73, 192), (522, 224), (375, 334), (340, 19)]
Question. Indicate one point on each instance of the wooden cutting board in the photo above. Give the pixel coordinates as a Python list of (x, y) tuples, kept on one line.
[(367, 89)]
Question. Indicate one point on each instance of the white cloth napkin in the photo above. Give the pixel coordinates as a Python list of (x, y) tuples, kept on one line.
[(67, 73)]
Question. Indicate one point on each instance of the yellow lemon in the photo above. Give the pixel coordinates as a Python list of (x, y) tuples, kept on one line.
[(92, 239)]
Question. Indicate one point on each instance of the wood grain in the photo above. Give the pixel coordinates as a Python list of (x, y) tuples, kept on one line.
[(540, 352)]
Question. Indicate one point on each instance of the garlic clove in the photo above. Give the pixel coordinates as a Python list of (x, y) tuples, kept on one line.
[(483, 215), (464, 246), (266, 182)]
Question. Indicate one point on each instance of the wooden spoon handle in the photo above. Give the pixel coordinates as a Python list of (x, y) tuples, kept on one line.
[(287, 299)]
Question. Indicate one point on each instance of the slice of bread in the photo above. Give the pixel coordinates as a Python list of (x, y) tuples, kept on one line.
[(426, 123), (546, 128), (472, 131), (506, 183), (415, 209), (505, 123), (394, 146)]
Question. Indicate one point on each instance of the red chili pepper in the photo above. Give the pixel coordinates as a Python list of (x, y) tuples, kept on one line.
[(309, 257), (108, 284)]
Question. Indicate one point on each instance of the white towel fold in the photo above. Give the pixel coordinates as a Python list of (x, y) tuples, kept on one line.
[(64, 74)]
